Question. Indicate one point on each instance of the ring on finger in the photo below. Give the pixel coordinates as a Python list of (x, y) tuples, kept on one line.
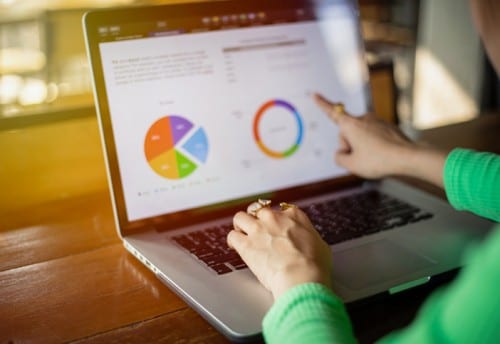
[(254, 207), (339, 108), (284, 206)]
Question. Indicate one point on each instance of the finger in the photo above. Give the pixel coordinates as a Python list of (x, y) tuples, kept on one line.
[(290, 210), (236, 240), (330, 108), (294, 212), (245, 222), (344, 145), (265, 214), (253, 208), (243, 246), (298, 215), (343, 159)]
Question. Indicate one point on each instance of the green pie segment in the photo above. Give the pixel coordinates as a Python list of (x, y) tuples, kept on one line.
[(184, 165), (172, 164)]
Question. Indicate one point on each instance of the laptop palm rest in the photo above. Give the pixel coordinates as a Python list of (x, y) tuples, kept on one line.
[(374, 263)]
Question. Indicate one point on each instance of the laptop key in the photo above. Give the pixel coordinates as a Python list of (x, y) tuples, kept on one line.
[(221, 269), (237, 264)]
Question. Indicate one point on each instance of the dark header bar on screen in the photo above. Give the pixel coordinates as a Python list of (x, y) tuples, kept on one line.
[(179, 26)]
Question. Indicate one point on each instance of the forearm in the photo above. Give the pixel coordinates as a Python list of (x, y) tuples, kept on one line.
[(421, 162)]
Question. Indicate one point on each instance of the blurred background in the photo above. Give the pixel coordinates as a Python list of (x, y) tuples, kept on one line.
[(427, 65)]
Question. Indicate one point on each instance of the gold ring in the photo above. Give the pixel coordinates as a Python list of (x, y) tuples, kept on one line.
[(339, 108), (265, 203), (254, 207), (285, 206)]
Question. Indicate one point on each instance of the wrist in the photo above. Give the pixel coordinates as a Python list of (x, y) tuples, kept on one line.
[(303, 276), (404, 159), (423, 162)]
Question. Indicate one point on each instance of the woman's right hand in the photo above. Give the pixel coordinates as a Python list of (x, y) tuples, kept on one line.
[(372, 148)]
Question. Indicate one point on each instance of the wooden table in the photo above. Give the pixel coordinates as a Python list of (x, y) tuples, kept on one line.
[(64, 275)]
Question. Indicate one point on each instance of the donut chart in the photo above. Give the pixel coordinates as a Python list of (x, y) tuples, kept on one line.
[(174, 147), (257, 131)]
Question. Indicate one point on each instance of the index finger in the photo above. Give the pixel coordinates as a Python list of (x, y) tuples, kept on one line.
[(332, 109), (245, 223)]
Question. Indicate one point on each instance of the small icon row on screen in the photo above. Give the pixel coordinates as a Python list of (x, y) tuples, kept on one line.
[(234, 18)]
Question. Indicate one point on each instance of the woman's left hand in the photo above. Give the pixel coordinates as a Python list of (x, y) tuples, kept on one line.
[(281, 248)]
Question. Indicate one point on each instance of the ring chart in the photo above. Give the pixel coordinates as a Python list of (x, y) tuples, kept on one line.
[(264, 138), (174, 147)]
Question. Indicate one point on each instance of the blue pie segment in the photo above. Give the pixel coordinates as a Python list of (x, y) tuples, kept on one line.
[(197, 145)]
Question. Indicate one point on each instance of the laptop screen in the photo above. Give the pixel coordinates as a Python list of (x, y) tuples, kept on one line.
[(213, 107)]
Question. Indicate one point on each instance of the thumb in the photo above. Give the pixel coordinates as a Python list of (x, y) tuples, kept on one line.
[(344, 145), (344, 159)]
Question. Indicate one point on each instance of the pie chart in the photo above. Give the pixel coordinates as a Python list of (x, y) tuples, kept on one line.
[(174, 147)]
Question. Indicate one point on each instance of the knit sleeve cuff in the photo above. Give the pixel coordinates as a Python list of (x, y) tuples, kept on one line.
[(471, 182), (308, 311), (456, 161)]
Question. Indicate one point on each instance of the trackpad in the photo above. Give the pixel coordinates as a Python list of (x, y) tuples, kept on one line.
[(374, 263)]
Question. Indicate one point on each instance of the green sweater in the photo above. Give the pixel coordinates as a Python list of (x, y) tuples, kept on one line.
[(466, 311)]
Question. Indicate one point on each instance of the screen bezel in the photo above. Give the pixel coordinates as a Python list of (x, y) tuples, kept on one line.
[(93, 20)]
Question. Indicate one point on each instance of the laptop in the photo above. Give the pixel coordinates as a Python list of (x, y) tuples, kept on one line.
[(205, 107)]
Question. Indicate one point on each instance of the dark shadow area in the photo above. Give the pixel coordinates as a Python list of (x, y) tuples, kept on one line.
[(378, 316), (490, 95)]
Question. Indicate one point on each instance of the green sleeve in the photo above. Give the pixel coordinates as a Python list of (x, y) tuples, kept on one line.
[(472, 182), (308, 313)]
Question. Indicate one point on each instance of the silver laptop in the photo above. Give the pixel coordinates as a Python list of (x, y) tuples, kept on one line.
[(204, 107)]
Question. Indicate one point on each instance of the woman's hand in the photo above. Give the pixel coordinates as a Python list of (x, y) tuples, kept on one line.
[(373, 148), (281, 248), (369, 147)]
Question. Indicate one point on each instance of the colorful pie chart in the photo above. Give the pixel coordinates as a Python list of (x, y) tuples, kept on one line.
[(174, 147)]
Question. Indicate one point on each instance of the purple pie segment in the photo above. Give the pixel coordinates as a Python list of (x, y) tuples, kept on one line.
[(179, 127)]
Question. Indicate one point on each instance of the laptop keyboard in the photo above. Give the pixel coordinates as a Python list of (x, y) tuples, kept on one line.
[(361, 214), (210, 246), (336, 220)]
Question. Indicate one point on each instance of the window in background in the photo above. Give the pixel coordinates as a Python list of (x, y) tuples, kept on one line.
[(43, 65), (390, 32), (23, 63), (450, 65)]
